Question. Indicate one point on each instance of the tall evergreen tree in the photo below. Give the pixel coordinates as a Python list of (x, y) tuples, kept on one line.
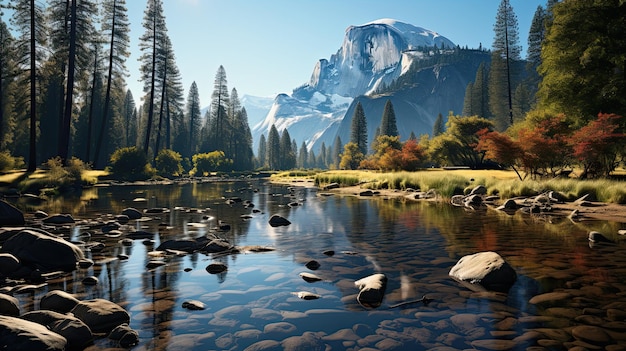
[(337, 149), (438, 126), (388, 123), (287, 153), (7, 79), (262, 154), (323, 163), (303, 156), (273, 149), (150, 44), (129, 120), (358, 130), (219, 123), (468, 101), (480, 93), (242, 140), (79, 41), (28, 19), (192, 117), (115, 23), (506, 50)]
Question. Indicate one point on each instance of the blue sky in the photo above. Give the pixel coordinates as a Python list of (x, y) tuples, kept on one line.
[(269, 47)]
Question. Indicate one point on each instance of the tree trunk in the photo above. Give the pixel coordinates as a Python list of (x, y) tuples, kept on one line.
[(32, 153), (146, 143), (67, 113)]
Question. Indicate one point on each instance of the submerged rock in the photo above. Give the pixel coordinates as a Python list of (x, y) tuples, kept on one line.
[(277, 221), (10, 215), (484, 271), (372, 290), (101, 315)]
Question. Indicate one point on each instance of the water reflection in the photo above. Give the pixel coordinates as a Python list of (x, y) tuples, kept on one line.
[(413, 243)]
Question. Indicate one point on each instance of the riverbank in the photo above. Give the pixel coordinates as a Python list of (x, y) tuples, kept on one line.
[(586, 210)]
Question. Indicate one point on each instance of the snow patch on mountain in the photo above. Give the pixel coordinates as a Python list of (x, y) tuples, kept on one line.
[(371, 55)]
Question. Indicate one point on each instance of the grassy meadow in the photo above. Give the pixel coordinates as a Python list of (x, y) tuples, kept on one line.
[(498, 182)]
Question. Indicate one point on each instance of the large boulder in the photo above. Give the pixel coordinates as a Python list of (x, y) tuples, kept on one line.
[(77, 333), (19, 334), (372, 290), (484, 271), (101, 315), (10, 215), (8, 264), (44, 251), (58, 301), (9, 305)]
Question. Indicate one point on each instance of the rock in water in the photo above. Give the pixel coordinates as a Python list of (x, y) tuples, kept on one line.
[(372, 290), (42, 250), (101, 315), (10, 215), (25, 335), (484, 271), (277, 221)]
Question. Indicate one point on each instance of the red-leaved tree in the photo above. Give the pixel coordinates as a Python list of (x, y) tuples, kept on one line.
[(500, 148), (545, 146), (598, 145)]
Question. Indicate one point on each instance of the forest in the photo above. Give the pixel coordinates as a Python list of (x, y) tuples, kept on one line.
[(63, 97)]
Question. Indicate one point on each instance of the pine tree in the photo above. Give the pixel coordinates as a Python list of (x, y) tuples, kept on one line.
[(337, 149), (273, 149), (115, 23), (151, 44), (388, 123), (438, 126), (323, 163), (242, 141), (303, 157), (192, 117), (7, 84), (129, 120), (358, 131), (468, 102), (219, 122), (28, 20), (262, 154), (287, 153), (480, 93), (506, 49)]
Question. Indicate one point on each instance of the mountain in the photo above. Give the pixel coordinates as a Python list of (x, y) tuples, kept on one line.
[(373, 58)]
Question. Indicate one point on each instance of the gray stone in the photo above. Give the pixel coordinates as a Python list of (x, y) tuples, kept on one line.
[(9, 306), (10, 215), (43, 251), (277, 221), (194, 305), (132, 213), (101, 315), (8, 264), (591, 334), (125, 336), (59, 219), (77, 333), (306, 342), (550, 299), (21, 334), (59, 301), (215, 268), (372, 290), (509, 204), (597, 237), (265, 345), (479, 190), (484, 270)]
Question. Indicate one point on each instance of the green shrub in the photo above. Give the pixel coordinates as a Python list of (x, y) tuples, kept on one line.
[(7, 162), (169, 163), (204, 164), (130, 163)]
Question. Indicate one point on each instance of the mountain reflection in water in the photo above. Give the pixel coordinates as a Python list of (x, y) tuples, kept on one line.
[(254, 303)]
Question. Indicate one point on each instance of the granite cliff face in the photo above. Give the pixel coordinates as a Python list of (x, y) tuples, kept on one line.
[(373, 58)]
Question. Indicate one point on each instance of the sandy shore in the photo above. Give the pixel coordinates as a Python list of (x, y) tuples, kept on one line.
[(591, 210)]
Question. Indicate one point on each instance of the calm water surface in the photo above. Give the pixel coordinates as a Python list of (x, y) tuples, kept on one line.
[(252, 305)]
